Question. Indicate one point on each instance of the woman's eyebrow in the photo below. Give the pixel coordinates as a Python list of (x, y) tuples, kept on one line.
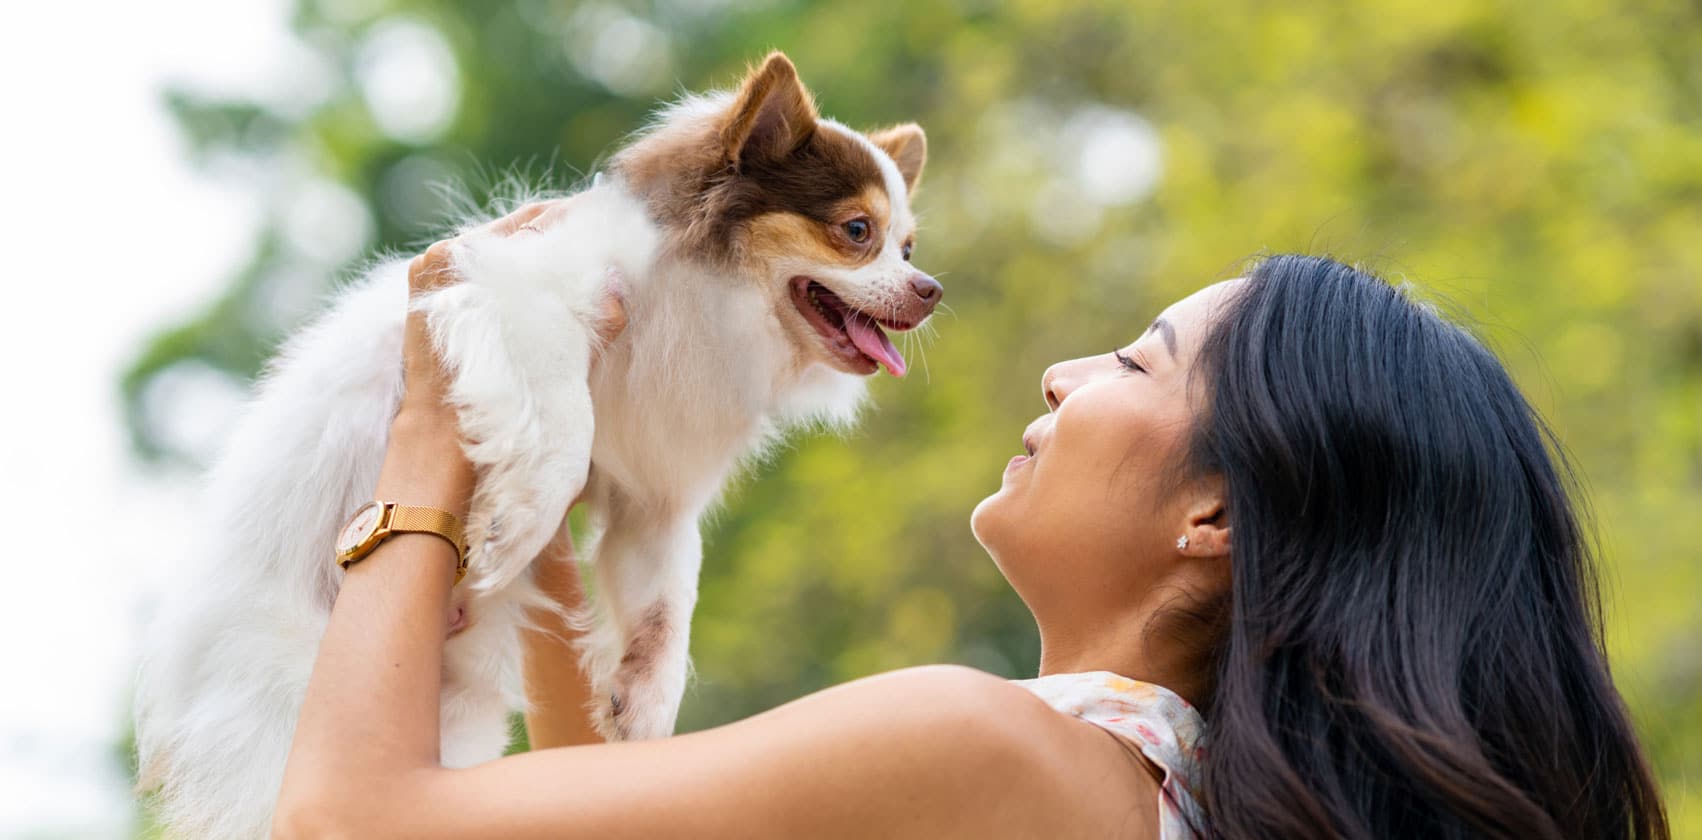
[(1168, 332)]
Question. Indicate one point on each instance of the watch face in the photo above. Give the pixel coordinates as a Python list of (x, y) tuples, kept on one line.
[(360, 526)]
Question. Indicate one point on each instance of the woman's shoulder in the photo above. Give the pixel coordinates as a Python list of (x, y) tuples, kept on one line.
[(954, 710), (948, 698), (949, 686), (966, 736)]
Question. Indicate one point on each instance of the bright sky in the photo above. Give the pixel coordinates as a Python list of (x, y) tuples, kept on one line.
[(112, 236)]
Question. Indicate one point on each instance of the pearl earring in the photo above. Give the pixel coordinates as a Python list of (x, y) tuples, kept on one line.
[(1182, 542)]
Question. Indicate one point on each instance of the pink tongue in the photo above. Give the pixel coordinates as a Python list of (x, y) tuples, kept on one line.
[(874, 343)]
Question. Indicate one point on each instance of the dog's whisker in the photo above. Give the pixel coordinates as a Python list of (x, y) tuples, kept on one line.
[(925, 336), (922, 355)]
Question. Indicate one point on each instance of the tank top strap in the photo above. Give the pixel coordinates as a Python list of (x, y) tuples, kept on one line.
[(1157, 721)]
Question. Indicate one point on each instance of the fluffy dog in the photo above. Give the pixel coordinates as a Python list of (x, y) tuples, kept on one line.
[(761, 248)]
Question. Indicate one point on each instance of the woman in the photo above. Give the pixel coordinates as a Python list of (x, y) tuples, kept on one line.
[(1310, 518)]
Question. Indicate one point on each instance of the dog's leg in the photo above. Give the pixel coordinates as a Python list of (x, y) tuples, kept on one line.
[(526, 419), (647, 563)]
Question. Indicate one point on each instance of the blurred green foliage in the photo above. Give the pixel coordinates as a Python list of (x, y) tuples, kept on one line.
[(1536, 164)]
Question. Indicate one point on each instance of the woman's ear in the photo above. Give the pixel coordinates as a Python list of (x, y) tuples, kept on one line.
[(1206, 529)]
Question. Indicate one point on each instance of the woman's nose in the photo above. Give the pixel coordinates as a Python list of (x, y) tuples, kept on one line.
[(1064, 377), (1054, 386)]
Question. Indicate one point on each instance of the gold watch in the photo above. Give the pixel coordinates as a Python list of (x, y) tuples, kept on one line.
[(377, 521)]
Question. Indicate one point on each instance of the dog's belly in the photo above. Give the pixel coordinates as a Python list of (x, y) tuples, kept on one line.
[(482, 677), (474, 721)]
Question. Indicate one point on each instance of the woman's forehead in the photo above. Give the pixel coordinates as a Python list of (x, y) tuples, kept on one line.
[(1182, 323)]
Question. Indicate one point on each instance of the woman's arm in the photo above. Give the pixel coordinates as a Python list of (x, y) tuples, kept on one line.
[(371, 707), (557, 691), (927, 753), (933, 752)]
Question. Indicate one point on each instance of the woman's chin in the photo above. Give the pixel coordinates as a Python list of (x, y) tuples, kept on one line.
[(991, 525), (984, 520)]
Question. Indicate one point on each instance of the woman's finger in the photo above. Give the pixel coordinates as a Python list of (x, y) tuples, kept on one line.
[(524, 217), (423, 376), (433, 269), (554, 211), (612, 321)]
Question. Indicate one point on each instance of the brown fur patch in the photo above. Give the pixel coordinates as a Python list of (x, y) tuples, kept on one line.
[(878, 205), (645, 645), (706, 188), (785, 234), (829, 170), (773, 113)]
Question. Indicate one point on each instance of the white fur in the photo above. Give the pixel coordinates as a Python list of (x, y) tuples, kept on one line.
[(703, 378)]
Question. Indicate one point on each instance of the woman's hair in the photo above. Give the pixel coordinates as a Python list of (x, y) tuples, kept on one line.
[(1414, 639)]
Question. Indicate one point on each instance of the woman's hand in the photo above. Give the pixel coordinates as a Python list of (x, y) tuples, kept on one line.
[(423, 375), (424, 433)]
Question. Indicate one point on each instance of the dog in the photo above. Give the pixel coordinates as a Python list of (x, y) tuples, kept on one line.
[(762, 252)]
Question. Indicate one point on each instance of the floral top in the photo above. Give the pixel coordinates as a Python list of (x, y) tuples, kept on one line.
[(1165, 728)]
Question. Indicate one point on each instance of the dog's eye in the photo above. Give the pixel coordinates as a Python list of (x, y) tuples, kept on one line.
[(858, 230), (907, 247)]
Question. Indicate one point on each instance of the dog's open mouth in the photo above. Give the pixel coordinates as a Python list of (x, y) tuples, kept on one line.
[(853, 336)]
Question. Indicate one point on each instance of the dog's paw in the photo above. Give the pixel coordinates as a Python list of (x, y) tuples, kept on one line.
[(641, 699), (494, 543), (634, 711), (516, 513)]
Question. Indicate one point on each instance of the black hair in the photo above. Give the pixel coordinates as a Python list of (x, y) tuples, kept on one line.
[(1414, 642)]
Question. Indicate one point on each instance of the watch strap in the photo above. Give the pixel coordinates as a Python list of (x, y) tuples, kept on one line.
[(415, 519)]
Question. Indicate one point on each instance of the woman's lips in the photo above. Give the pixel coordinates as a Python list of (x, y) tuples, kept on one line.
[(1028, 447)]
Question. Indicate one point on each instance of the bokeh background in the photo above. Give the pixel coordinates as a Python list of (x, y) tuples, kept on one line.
[(1535, 167)]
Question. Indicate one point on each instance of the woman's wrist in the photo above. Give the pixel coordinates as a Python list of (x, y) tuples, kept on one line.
[(415, 418), (424, 463)]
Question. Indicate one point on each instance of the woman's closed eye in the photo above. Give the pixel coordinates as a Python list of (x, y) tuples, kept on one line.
[(1128, 362)]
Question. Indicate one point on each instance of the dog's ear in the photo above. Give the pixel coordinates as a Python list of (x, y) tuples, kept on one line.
[(908, 147), (772, 116)]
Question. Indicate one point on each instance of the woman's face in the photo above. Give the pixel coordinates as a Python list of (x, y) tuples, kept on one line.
[(1092, 510)]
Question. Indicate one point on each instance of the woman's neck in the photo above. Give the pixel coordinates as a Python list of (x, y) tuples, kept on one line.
[(1141, 644)]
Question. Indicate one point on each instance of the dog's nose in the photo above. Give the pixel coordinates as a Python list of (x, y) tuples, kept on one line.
[(927, 288)]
